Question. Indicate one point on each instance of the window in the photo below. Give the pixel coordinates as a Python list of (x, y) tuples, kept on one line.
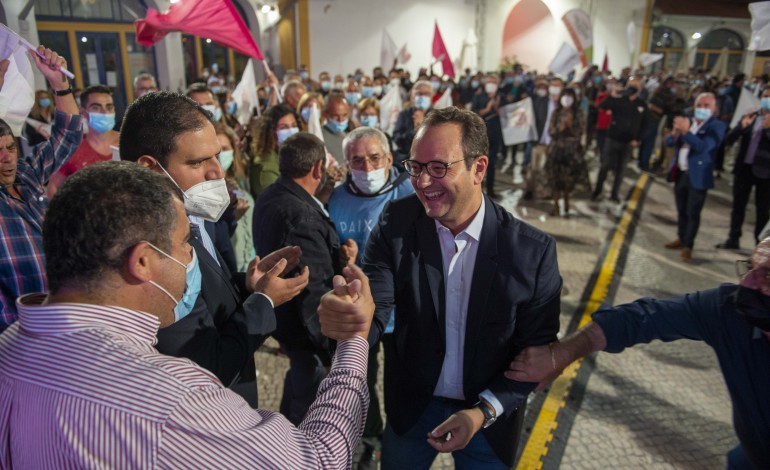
[(670, 43), (121, 11)]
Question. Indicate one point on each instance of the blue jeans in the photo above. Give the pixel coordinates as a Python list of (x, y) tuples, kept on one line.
[(411, 450)]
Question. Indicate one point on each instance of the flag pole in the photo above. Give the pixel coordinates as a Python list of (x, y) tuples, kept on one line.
[(275, 86)]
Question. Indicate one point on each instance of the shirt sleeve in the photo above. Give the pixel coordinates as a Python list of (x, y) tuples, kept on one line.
[(215, 428), (66, 135)]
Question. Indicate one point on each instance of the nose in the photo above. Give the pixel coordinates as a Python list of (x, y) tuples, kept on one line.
[(367, 165), (214, 172), (424, 180)]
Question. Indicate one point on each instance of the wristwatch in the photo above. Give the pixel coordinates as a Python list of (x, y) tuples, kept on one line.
[(489, 413), (63, 92)]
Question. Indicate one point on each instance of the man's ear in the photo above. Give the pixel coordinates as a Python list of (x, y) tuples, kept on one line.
[(139, 263), (147, 161), (318, 168), (481, 165)]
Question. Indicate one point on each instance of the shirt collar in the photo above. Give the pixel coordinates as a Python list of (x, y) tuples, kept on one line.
[(321, 205), (473, 229), (61, 318)]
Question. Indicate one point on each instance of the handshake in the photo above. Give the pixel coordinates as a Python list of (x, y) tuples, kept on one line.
[(347, 310)]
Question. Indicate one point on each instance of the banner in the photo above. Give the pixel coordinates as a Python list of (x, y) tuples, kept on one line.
[(390, 107), (388, 52), (648, 58), (245, 94), (578, 25), (565, 60), (518, 122), (760, 26), (18, 93), (747, 103)]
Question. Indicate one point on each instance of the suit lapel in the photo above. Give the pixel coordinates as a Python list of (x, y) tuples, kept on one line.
[(430, 250), (483, 275), (210, 263)]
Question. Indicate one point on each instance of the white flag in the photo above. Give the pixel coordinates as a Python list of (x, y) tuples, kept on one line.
[(403, 55), (649, 58), (565, 60), (387, 51), (314, 127), (245, 94), (18, 93), (390, 106), (445, 101), (760, 26), (747, 103), (518, 122)]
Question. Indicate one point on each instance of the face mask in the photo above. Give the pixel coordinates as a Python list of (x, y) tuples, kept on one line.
[(192, 285), (463, 82), (566, 101), (303, 75), (754, 307), (226, 159), (377, 90), (597, 79), (554, 90), (541, 92), (283, 134), (232, 107), (207, 199), (101, 123), (517, 80), (764, 103), (395, 82), (435, 85), (577, 92), (338, 85), (490, 88), (326, 85), (216, 113), (337, 127), (474, 84), (702, 114), (369, 121), (358, 77), (352, 98), (508, 80), (630, 91), (369, 181), (44, 102), (422, 102), (367, 91), (305, 113)]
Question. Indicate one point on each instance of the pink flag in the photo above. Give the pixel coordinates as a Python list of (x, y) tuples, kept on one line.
[(212, 19), (605, 64), (441, 54)]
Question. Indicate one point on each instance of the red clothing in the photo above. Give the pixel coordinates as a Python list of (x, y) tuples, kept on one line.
[(84, 156), (604, 118)]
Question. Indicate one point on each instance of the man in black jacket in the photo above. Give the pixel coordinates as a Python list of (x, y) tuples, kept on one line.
[(296, 217), (628, 112)]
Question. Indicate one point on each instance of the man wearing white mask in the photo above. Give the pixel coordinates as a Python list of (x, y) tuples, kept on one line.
[(233, 314), (355, 207), (410, 119), (98, 108), (202, 94)]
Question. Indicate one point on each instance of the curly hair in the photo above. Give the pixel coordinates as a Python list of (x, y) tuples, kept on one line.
[(263, 129)]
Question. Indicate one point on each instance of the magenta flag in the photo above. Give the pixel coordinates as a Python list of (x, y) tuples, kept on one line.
[(212, 19), (440, 53)]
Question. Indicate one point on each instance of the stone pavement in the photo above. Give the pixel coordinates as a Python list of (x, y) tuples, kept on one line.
[(662, 405)]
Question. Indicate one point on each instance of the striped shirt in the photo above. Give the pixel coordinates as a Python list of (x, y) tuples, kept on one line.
[(22, 266), (81, 386)]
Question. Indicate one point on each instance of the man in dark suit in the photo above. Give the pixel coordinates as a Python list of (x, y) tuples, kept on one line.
[(298, 218), (471, 286), (751, 170), (692, 169), (233, 314), (410, 119)]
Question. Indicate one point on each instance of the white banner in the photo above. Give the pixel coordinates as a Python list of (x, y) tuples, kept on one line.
[(760, 26), (518, 122), (565, 60), (245, 94), (747, 103)]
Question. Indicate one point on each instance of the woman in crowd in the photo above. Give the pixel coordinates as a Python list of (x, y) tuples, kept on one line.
[(42, 111), (565, 155), (235, 167), (269, 132), (304, 106)]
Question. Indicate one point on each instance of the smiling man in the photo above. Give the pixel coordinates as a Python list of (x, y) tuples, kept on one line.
[(471, 287)]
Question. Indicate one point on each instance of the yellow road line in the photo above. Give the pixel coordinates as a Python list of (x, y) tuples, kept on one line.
[(546, 423)]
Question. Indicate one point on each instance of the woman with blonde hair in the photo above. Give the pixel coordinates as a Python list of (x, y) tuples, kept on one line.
[(42, 111)]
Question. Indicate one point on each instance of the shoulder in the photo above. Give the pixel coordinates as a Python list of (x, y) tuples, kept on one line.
[(518, 230)]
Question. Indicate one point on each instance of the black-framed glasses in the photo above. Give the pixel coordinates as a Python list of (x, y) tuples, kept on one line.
[(742, 267), (435, 168)]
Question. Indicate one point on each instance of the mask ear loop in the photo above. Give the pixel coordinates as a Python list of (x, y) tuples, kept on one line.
[(172, 180)]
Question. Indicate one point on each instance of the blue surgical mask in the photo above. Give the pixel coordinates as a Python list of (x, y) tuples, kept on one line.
[(303, 75), (337, 127), (597, 79), (44, 102), (435, 85), (305, 113), (764, 103), (101, 123), (474, 84), (352, 98), (326, 85), (232, 107), (192, 285), (226, 159), (216, 113), (369, 121), (422, 102), (367, 91), (283, 134), (702, 114)]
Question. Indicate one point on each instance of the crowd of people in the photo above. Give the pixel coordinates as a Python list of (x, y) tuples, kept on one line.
[(333, 227)]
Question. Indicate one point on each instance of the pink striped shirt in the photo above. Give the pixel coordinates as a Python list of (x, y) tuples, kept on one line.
[(81, 386)]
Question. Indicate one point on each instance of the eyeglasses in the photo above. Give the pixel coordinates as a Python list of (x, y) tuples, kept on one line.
[(435, 168), (374, 160), (744, 266)]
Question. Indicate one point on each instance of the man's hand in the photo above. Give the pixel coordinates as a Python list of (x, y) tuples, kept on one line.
[(681, 124), (347, 310), (257, 268), (348, 252), (456, 432), (3, 69), (49, 66), (536, 364), (282, 290)]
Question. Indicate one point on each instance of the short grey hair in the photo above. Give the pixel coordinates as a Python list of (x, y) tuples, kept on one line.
[(145, 76), (421, 83), (290, 85), (364, 133)]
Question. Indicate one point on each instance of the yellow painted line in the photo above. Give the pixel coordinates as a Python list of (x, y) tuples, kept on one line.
[(546, 423)]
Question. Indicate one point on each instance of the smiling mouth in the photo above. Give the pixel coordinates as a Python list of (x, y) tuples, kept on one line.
[(432, 195)]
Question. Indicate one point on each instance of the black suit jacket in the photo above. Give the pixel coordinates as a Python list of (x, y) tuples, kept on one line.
[(225, 326), (514, 303), (761, 166), (285, 214)]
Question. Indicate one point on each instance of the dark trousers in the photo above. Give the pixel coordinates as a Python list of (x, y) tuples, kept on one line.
[(743, 181), (495, 135), (647, 145), (615, 156), (689, 204), (601, 139), (300, 386)]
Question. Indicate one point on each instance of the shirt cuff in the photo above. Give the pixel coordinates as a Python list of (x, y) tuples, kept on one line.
[(267, 297), (352, 353), (490, 398)]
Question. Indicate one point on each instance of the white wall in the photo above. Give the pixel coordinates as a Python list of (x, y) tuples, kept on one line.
[(346, 34)]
